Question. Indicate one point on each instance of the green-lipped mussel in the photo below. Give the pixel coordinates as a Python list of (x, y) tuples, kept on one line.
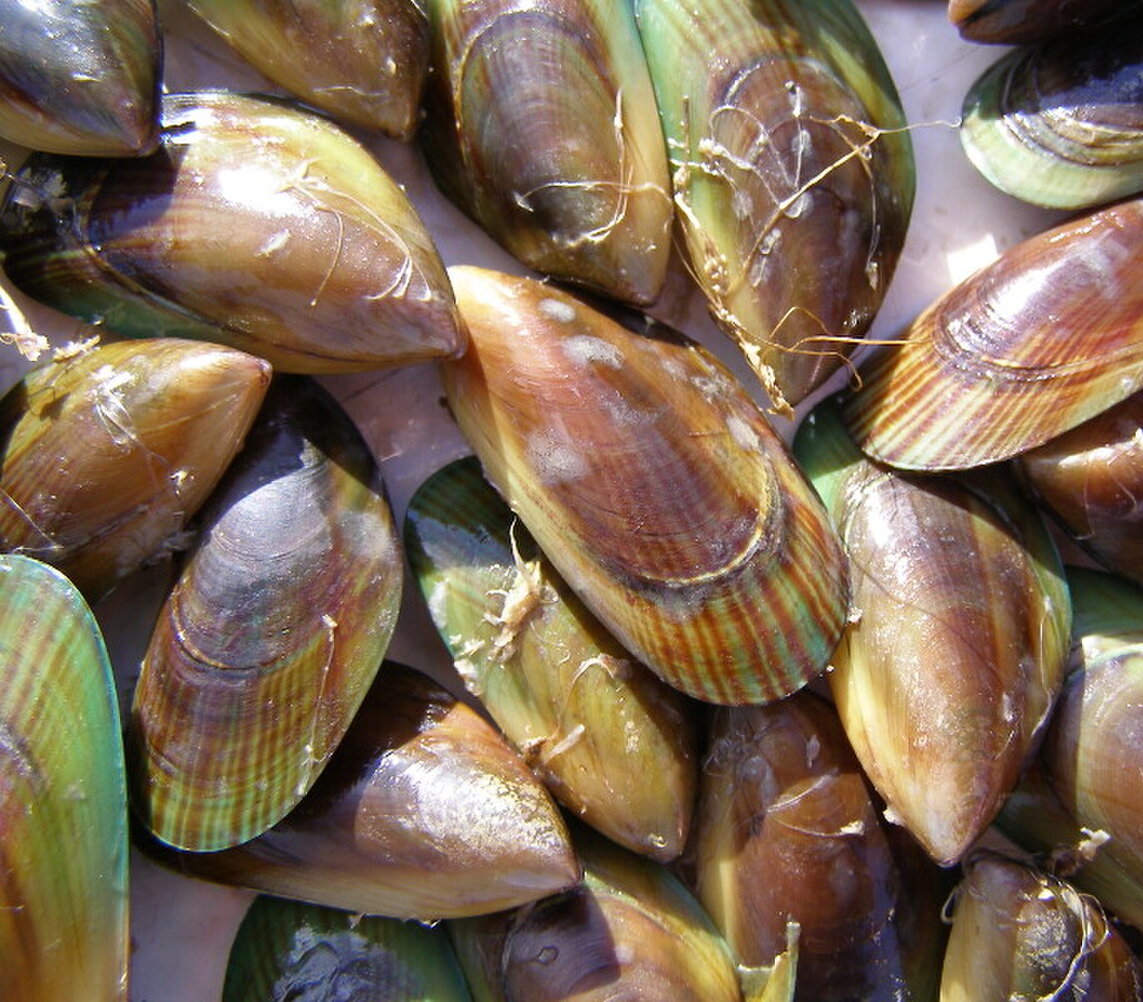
[(256, 224), (107, 454), (1018, 933), (630, 930), (1091, 480), (1030, 346), (957, 650), (615, 744), (286, 951), (792, 173), (364, 62), (424, 812), (274, 631), (656, 487), (63, 796), (80, 78), (541, 124), (787, 831), (1061, 124)]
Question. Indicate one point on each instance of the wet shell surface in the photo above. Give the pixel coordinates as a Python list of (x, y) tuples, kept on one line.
[(63, 797), (792, 173), (80, 78), (274, 631), (1032, 345), (423, 812), (614, 743), (655, 486), (109, 453), (1061, 124), (364, 62), (959, 642), (1023, 22), (541, 124), (256, 224)]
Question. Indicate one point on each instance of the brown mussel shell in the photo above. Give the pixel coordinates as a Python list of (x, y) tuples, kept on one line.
[(541, 125), (255, 224), (80, 78), (107, 454), (787, 831), (270, 638), (656, 487), (364, 62), (1022, 22), (1032, 345), (423, 812), (792, 172), (1091, 480), (614, 743), (958, 646)]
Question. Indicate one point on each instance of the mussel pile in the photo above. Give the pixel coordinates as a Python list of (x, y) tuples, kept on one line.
[(471, 528)]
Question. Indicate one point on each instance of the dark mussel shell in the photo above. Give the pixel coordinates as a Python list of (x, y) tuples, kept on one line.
[(1061, 124), (80, 78), (255, 224), (424, 812), (1022, 22), (270, 639)]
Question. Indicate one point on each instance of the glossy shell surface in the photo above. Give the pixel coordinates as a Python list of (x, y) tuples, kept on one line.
[(655, 486)]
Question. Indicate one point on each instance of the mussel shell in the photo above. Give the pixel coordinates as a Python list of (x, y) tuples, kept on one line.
[(630, 930), (274, 631), (63, 796), (106, 455), (256, 224), (1021, 934), (541, 125), (614, 743), (364, 62), (424, 812), (285, 950), (80, 78), (792, 170), (656, 487), (1061, 124), (787, 831), (1023, 22), (945, 679), (1035, 343), (1091, 480)]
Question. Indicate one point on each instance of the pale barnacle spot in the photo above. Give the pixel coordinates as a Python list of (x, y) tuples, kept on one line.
[(555, 459), (274, 244), (107, 399), (743, 435), (583, 349), (558, 310)]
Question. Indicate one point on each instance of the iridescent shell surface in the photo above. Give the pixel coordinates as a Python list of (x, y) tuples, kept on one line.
[(109, 453), (80, 78), (63, 797), (274, 631), (364, 62), (1061, 124), (1091, 479), (656, 487), (1037, 342), (256, 224), (541, 124), (792, 173), (614, 743), (959, 640), (423, 812), (290, 952)]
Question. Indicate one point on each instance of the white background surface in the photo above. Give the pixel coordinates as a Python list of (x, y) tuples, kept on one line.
[(182, 929)]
